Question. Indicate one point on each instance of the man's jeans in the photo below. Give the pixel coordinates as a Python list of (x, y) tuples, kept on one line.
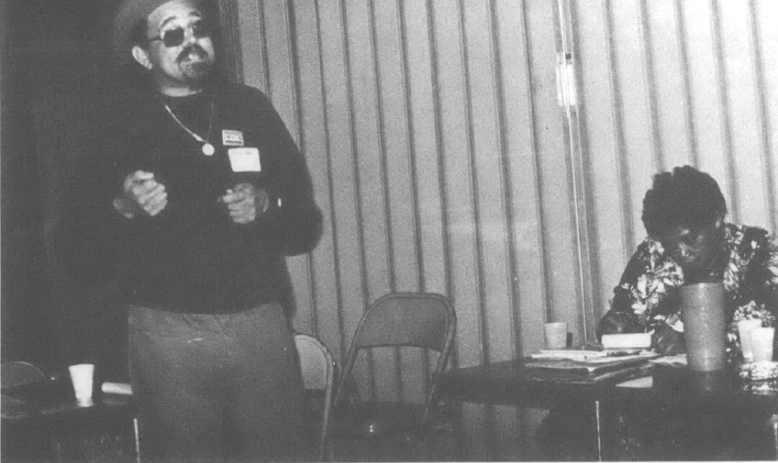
[(213, 387)]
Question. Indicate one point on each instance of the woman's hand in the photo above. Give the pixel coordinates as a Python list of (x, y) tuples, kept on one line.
[(667, 341), (618, 323)]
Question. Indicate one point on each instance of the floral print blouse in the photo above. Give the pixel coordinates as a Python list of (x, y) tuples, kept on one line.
[(648, 287)]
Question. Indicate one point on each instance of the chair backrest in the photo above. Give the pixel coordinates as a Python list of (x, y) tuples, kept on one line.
[(318, 371), (18, 373), (426, 320)]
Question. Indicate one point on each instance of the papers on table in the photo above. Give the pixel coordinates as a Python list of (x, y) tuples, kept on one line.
[(594, 356), (589, 362), (678, 361), (582, 369)]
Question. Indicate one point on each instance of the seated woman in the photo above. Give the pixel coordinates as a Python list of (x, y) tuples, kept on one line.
[(688, 241)]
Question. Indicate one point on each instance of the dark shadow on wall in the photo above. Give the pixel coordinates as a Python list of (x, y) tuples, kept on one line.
[(57, 77)]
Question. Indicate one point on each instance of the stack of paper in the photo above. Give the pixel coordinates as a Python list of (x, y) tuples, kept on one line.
[(587, 355), (588, 366)]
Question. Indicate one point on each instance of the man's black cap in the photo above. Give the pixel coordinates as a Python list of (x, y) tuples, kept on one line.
[(127, 16)]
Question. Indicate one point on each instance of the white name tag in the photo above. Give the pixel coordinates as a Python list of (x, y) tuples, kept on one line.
[(232, 138), (244, 159)]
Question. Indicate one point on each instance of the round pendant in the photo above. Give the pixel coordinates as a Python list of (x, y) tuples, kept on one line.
[(208, 149)]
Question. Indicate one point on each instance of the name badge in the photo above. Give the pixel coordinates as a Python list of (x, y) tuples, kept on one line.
[(232, 138), (244, 159)]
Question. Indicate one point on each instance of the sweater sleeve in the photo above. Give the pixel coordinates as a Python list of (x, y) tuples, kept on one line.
[(293, 220)]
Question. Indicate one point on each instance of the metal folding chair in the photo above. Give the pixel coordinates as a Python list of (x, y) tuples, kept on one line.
[(318, 371), (423, 320), (18, 373)]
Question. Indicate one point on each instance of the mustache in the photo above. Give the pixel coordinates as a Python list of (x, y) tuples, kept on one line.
[(192, 48)]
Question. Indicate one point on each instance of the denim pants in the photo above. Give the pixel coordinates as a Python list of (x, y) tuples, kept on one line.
[(223, 387)]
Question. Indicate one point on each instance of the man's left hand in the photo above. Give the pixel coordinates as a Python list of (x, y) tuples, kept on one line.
[(244, 202)]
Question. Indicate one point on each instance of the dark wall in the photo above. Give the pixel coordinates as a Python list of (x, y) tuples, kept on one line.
[(57, 78), (24, 283)]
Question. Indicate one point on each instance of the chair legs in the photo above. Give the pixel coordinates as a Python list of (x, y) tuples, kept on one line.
[(136, 436)]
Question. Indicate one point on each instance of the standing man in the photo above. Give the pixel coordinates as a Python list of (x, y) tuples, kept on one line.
[(196, 197)]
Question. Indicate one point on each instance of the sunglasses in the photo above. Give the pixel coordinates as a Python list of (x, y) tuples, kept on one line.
[(175, 37)]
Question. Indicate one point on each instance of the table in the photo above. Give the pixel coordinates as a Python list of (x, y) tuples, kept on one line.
[(508, 383), (43, 420), (708, 394)]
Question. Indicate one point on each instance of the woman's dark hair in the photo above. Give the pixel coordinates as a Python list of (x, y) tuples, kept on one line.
[(686, 197)]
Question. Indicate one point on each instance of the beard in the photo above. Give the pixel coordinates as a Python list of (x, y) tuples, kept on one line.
[(195, 63)]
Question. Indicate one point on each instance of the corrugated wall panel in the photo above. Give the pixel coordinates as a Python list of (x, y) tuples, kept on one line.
[(402, 211), (638, 126), (370, 176), (603, 141), (494, 301), (737, 22), (324, 321), (668, 80), (457, 176), (443, 162), (704, 73), (283, 74), (522, 165), (766, 38)]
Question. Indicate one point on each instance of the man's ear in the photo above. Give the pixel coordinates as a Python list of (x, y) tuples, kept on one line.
[(141, 56)]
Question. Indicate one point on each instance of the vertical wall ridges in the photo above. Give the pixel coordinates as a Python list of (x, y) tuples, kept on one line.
[(382, 146), (578, 145), (683, 53), (471, 162), (505, 181), (265, 54), (543, 236), (648, 58), (385, 183), (414, 178), (343, 336), (766, 132), (620, 153), (440, 155), (298, 111), (364, 287), (231, 40), (408, 99), (528, 107), (725, 114)]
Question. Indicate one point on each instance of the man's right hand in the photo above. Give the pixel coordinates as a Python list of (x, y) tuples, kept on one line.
[(141, 194)]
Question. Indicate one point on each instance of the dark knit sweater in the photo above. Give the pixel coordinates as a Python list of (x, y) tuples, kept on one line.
[(192, 257)]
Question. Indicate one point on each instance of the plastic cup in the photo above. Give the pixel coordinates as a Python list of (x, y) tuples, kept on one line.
[(556, 335), (743, 329), (702, 311), (762, 344), (82, 377)]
